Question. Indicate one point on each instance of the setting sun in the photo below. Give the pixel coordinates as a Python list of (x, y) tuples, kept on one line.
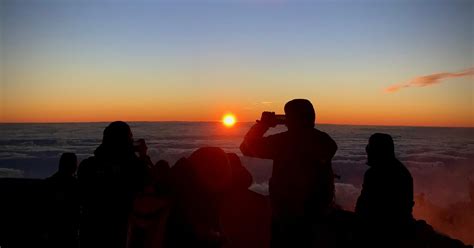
[(228, 120)]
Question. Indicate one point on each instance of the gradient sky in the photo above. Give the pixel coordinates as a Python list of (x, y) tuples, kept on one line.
[(65, 61)]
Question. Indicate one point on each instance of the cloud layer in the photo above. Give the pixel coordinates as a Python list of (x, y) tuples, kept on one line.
[(427, 80)]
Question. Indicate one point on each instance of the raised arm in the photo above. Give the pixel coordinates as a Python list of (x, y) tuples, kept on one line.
[(255, 145)]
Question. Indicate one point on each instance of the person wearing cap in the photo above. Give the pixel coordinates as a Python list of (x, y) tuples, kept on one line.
[(302, 182)]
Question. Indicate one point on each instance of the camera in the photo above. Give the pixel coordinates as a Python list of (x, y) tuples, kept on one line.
[(271, 119)]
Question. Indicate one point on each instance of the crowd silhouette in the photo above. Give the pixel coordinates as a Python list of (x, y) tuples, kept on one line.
[(121, 199)]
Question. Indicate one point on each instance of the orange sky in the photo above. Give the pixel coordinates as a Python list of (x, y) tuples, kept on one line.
[(363, 114), (400, 63)]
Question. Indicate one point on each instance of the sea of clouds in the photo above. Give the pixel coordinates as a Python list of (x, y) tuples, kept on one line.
[(440, 159)]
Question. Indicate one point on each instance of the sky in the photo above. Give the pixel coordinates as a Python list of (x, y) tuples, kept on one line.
[(361, 62)]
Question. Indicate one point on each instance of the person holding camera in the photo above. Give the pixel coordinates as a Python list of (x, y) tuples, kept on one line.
[(302, 183), (109, 182)]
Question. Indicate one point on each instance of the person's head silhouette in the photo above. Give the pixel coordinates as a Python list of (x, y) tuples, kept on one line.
[(118, 134), (212, 169), (67, 164), (380, 148), (241, 177), (299, 114)]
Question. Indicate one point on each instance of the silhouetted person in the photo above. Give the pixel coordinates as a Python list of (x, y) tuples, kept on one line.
[(386, 200), (23, 213), (245, 215), (302, 184), (241, 177), (151, 209), (62, 204), (109, 182), (199, 183), (140, 147)]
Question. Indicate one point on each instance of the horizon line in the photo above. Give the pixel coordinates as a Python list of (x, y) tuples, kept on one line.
[(213, 121)]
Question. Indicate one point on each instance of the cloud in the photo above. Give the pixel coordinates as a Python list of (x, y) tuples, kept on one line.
[(423, 81), (346, 195), (11, 173)]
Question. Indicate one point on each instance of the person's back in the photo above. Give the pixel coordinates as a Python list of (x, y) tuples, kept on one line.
[(386, 201), (302, 178), (62, 204), (245, 215), (199, 183), (302, 185), (387, 193), (151, 209), (108, 183)]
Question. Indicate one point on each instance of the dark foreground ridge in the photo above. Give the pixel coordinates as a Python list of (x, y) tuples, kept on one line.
[(121, 199), (245, 219)]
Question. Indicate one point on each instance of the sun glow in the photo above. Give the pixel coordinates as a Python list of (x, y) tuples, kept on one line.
[(228, 120)]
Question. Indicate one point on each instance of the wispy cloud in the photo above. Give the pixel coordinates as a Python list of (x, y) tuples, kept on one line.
[(427, 80)]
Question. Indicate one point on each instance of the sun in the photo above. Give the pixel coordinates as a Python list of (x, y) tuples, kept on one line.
[(228, 120)]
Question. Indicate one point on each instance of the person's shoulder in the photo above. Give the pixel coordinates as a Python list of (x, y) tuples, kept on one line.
[(86, 165), (370, 171), (88, 162), (403, 169), (49, 181), (325, 138), (321, 134)]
